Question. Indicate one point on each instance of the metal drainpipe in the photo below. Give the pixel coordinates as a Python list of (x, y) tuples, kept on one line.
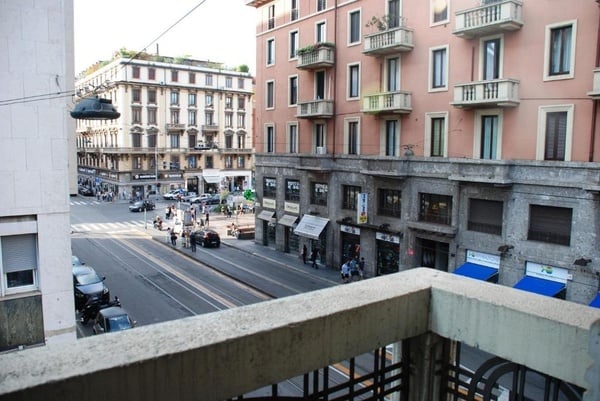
[(335, 16), (595, 105)]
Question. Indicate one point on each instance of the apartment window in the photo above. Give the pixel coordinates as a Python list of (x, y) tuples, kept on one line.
[(485, 216), (560, 61), (174, 76), (136, 95), (292, 138), (550, 224), (208, 100), (352, 137), (437, 135), (228, 82), (208, 118), (270, 95), (151, 96), (435, 208), (228, 161), (174, 140), (192, 78), (389, 202), (392, 74), (136, 162), (293, 44), (391, 138), (292, 190), (229, 119), (393, 20), (354, 26), (229, 140), (353, 81), (152, 140), (174, 98), (293, 97), (241, 141), (174, 116), (241, 162), (439, 69), (319, 132), (208, 161), (192, 117), (192, 99), (19, 263), (321, 5), (321, 32), (491, 58), (350, 196), (271, 21), (319, 84), (208, 80), (135, 71), (241, 83), (174, 164), (151, 74), (270, 51), (241, 101), (241, 120), (318, 193), (152, 116), (489, 137), (270, 139), (192, 161), (439, 11), (192, 141), (228, 102), (294, 10), (269, 187), (136, 115), (556, 136)]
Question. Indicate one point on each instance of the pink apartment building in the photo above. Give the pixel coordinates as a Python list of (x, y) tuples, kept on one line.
[(460, 135)]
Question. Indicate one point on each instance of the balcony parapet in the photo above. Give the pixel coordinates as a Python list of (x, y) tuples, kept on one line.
[(315, 109), (492, 93), (498, 17), (387, 102), (595, 93), (222, 355), (316, 56), (389, 41), (209, 128), (175, 127)]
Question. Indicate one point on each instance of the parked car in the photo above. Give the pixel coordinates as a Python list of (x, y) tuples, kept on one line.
[(85, 191), (140, 206), (88, 284), (112, 319), (189, 196), (206, 237), (215, 200), (173, 194), (200, 198)]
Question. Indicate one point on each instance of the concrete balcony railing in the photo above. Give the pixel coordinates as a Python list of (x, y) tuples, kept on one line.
[(389, 41), (387, 102), (218, 356), (595, 93), (494, 18), (315, 109), (493, 93), (175, 127), (209, 128), (318, 56)]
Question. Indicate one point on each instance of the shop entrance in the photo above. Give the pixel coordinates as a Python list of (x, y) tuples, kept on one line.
[(433, 254), (388, 255)]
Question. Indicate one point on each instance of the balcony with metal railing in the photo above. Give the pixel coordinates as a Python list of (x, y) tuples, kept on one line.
[(319, 55), (414, 325), (492, 17), (387, 103), (392, 40), (318, 108), (503, 92)]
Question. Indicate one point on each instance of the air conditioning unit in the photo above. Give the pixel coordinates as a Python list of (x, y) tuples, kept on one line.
[(321, 150)]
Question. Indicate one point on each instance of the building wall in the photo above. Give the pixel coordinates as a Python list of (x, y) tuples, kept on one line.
[(35, 171)]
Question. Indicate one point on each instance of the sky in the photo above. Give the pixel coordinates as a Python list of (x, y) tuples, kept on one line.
[(217, 30)]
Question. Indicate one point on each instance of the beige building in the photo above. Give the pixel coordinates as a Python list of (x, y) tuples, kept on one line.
[(433, 133), (184, 124)]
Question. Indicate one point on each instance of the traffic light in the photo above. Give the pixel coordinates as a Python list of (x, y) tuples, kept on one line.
[(164, 164)]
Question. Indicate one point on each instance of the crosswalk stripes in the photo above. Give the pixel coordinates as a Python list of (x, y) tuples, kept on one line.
[(84, 203), (111, 226)]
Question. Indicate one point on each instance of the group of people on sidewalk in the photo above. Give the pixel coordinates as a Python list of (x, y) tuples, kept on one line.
[(352, 269)]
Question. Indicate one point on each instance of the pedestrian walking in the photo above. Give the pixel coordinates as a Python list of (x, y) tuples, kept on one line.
[(193, 241), (345, 272), (173, 238), (207, 218), (361, 268), (313, 257), (304, 252)]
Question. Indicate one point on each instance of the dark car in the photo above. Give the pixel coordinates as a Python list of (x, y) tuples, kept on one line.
[(88, 284), (112, 319), (206, 238), (85, 191), (214, 200), (140, 206)]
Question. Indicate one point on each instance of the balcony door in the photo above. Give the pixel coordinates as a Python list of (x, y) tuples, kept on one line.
[(491, 59), (393, 74), (320, 85)]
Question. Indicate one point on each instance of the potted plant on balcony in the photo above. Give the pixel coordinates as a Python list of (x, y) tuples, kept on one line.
[(315, 47), (384, 22)]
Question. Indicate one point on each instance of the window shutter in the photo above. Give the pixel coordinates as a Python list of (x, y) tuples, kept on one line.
[(19, 252)]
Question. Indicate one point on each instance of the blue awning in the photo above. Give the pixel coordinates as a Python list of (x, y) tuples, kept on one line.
[(596, 301), (540, 286), (476, 271)]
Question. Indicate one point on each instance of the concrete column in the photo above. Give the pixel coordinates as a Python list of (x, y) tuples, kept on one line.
[(426, 353)]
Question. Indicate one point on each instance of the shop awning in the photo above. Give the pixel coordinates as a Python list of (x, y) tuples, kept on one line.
[(596, 301), (266, 215), (540, 286), (211, 176), (288, 220), (478, 272), (311, 226)]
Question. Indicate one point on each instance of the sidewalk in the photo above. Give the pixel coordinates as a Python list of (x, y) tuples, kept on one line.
[(220, 223)]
